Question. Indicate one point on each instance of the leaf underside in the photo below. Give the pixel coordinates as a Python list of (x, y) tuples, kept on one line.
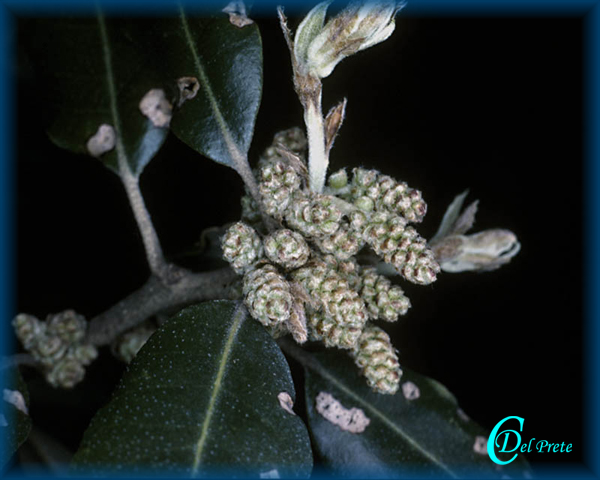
[(427, 435), (201, 397)]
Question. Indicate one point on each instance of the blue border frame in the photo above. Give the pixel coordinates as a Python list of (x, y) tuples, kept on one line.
[(589, 10)]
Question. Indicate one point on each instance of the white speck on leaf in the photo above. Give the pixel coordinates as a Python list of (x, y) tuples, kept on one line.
[(410, 391), (286, 402), (480, 445), (14, 397), (351, 420), (102, 141), (157, 108)]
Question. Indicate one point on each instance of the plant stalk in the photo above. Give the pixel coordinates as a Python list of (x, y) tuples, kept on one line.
[(157, 296)]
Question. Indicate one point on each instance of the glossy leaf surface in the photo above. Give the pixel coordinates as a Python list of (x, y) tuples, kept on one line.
[(227, 62), (418, 431), (93, 71), (201, 397)]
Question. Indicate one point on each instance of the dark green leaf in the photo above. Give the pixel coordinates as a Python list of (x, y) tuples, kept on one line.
[(227, 60), (202, 394), (408, 433), (15, 422), (96, 71)]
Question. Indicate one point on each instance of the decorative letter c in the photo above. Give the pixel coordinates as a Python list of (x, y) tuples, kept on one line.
[(494, 435)]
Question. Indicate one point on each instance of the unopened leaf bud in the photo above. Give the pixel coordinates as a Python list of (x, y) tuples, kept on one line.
[(359, 26), (486, 250)]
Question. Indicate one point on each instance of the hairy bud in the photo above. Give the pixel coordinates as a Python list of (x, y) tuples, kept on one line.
[(314, 215), (68, 326), (286, 248), (267, 295), (27, 328), (374, 354), (242, 247), (331, 333), (384, 300)]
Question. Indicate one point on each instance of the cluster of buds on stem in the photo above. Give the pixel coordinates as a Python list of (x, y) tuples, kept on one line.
[(58, 346), (304, 278)]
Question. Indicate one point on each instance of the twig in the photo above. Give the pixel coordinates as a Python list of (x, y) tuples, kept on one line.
[(157, 296), (16, 360)]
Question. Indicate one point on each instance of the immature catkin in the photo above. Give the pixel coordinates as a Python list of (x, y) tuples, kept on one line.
[(277, 183), (384, 300), (343, 244), (242, 247), (374, 354), (332, 293), (314, 215), (331, 333), (27, 328), (372, 190), (68, 326), (66, 373), (48, 348), (286, 248), (267, 295), (401, 246)]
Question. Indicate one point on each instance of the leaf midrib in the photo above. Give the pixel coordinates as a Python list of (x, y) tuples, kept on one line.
[(233, 149), (320, 369), (238, 317)]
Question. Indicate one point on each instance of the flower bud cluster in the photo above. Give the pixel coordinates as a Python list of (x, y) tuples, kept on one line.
[(303, 278), (57, 345)]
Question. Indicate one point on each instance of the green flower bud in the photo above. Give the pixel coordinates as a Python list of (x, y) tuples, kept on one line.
[(332, 293), (338, 180), (27, 328), (267, 295), (242, 247), (286, 248), (277, 183), (401, 246), (85, 353), (375, 355), (331, 333), (68, 326), (383, 300), (49, 349), (314, 216), (67, 373), (343, 244)]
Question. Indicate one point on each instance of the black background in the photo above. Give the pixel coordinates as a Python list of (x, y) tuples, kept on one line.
[(489, 104)]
